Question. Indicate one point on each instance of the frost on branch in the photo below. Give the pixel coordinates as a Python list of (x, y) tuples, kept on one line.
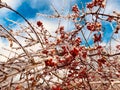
[(39, 60)]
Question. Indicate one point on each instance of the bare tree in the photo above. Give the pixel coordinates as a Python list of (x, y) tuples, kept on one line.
[(62, 62)]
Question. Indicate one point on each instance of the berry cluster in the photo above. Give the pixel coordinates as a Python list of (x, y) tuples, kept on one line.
[(75, 9), (50, 63), (97, 38), (94, 26), (94, 3)]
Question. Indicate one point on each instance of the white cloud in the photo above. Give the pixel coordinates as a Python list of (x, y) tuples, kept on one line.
[(112, 5), (38, 3), (12, 3), (5, 50), (60, 5), (2, 51), (51, 24), (63, 5)]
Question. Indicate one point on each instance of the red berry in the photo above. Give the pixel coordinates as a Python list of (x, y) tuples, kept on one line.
[(39, 23), (90, 5), (75, 9), (56, 87)]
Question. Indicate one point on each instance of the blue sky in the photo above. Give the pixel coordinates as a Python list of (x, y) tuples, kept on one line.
[(29, 9)]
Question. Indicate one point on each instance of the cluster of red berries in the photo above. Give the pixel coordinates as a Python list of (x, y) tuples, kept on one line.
[(96, 3), (75, 9), (77, 41), (97, 38), (57, 87), (50, 63), (93, 26), (101, 61)]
